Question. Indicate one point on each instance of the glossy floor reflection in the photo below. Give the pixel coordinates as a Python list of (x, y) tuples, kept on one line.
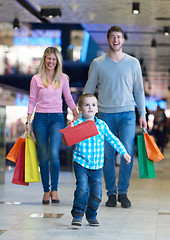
[(23, 217)]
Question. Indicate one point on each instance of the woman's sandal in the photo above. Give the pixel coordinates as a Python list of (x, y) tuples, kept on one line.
[(45, 201), (56, 201)]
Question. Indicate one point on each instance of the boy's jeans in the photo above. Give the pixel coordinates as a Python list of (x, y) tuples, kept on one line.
[(88, 193), (48, 141), (122, 124)]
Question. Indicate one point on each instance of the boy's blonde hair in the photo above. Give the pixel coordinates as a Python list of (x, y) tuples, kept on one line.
[(82, 97), (58, 68)]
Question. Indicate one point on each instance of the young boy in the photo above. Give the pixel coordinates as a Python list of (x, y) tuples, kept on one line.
[(88, 160)]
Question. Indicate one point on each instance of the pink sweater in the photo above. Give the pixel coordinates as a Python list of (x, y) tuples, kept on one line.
[(49, 99)]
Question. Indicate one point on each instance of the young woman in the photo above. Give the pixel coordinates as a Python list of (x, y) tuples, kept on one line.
[(46, 91)]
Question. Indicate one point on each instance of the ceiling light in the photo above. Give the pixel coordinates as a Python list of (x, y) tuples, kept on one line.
[(16, 23), (50, 12), (135, 8), (74, 6), (146, 80), (166, 31), (153, 43), (91, 16)]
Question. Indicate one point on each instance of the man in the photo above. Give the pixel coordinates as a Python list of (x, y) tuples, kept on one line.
[(119, 80)]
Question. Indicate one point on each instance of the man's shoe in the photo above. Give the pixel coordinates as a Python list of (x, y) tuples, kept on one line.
[(123, 199), (77, 221), (93, 222), (112, 201)]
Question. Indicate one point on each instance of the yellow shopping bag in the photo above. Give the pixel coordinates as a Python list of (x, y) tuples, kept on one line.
[(31, 161)]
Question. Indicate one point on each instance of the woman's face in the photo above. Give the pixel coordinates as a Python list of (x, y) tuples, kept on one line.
[(50, 61)]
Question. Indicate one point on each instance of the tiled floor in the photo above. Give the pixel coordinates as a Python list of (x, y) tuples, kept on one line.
[(23, 217)]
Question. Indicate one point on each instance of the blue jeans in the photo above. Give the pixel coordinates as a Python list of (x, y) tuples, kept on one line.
[(122, 124), (48, 141), (88, 193)]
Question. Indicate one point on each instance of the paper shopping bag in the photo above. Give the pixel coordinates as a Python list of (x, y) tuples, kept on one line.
[(153, 152), (19, 172), (13, 153), (80, 132), (146, 166), (31, 161)]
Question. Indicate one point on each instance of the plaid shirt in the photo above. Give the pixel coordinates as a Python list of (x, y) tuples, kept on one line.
[(89, 153)]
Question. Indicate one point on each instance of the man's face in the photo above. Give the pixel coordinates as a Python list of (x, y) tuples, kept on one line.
[(115, 41)]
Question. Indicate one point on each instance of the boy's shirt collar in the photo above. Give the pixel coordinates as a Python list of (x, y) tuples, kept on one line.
[(95, 119)]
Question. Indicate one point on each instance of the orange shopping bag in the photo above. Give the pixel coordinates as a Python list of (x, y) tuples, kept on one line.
[(153, 152), (13, 153)]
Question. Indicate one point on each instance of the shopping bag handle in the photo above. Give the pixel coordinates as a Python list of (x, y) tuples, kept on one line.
[(28, 135), (144, 130), (24, 135)]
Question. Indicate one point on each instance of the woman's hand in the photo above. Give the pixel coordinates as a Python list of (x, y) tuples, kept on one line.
[(28, 123), (75, 113), (27, 126)]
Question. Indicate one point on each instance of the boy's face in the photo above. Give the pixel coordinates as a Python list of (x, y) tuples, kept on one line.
[(89, 108)]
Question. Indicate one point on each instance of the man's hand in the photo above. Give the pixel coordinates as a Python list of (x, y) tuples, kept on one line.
[(142, 122)]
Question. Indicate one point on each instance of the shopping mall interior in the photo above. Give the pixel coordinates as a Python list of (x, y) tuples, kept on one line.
[(78, 29)]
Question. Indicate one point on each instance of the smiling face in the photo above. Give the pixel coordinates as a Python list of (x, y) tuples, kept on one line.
[(50, 61), (89, 108), (115, 41)]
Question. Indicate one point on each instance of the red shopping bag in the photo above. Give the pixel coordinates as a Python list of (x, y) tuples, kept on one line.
[(19, 172), (78, 133), (153, 152), (13, 153)]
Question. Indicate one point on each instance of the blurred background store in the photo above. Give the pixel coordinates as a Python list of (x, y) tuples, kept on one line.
[(78, 29)]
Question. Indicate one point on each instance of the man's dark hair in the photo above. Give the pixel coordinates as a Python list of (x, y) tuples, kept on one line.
[(114, 29)]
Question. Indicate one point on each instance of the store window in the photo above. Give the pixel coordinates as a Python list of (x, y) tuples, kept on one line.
[(23, 56)]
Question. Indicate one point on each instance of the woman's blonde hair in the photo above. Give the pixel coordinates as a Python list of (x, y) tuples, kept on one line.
[(58, 68)]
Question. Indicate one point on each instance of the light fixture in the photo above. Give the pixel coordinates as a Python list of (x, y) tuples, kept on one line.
[(50, 12), (135, 8), (153, 43), (166, 31), (146, 80), (74, 6), (91, 16), (16, 23)]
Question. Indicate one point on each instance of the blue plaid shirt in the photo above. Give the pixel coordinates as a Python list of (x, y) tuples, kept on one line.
[(89, 153)]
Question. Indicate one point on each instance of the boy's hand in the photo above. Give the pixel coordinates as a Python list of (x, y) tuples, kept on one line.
[(127, 157), (71, 124)]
